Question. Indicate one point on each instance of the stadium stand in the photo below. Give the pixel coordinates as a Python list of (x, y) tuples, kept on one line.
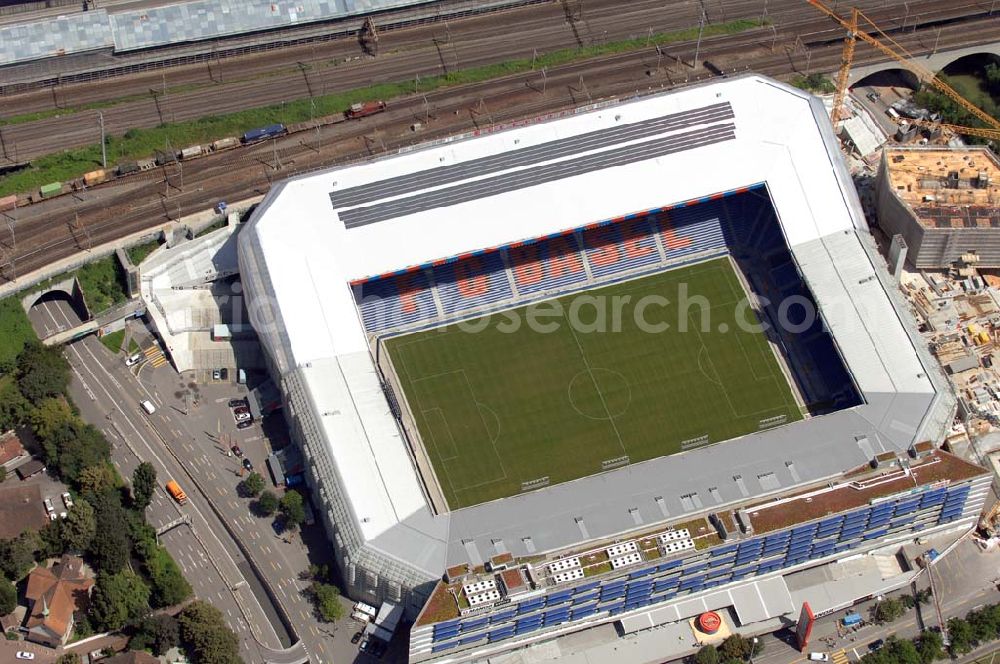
[(472, 282), (397, 301), (547, 264), (743, 225), (611, 248)]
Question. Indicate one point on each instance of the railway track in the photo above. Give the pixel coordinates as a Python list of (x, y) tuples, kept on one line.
[(421, 51), (48, 232)]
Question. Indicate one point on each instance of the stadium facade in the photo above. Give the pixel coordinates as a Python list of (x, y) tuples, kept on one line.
[(747, 168)]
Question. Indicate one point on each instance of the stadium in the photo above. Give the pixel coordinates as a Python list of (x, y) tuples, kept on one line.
[(585, 369)]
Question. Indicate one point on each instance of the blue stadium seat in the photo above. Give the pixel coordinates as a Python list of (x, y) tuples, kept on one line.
[(394, 301), (546, 264), (472, 282)]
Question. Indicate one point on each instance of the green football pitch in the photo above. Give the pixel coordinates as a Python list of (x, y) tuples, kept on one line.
[(499, 408)]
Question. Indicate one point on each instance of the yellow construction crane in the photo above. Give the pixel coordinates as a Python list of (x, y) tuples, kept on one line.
[(895, 51), (993, 134)]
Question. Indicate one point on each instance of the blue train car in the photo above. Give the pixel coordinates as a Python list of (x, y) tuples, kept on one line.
[(261, 133)]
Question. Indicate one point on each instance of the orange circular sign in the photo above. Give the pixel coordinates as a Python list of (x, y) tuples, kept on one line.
[(709, 622)]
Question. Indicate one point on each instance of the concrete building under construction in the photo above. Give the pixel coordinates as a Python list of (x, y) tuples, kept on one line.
[(945, 202)]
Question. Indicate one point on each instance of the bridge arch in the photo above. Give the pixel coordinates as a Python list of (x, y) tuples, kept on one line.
[(933, 61), (896, 77)]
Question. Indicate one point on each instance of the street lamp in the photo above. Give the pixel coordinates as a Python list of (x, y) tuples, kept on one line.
[(104, 148)]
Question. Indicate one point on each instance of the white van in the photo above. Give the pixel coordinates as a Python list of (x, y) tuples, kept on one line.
[(148, 406), (819, 657)]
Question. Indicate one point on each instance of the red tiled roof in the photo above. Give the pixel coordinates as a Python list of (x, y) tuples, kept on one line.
[(10, 447), (63, 587)]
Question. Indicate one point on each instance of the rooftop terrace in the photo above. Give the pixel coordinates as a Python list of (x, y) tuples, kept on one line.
[(859, 487), (948, 188)]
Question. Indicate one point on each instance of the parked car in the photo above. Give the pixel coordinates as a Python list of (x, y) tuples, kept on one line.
[(875, 645), (356, 637), (819, 657), (216, 374), (248, 465), (48, 506), (245, 424), (241, 409), (873, 96), (242, 417), (22, 654), (132, 360), (224, 374), (67, 499), (62, 515), (236, 450), (237, 403)]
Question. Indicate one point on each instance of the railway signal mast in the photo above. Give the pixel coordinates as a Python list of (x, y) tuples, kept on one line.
[(897, 52)]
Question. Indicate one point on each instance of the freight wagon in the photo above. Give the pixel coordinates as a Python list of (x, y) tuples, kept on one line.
[(259, 134), (190, 152), (95, 177), (8, 202), (225, 143)]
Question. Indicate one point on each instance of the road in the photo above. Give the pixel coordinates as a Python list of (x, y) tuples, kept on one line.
[(188, 442), (964, 580), (107, 397), (148, 100)]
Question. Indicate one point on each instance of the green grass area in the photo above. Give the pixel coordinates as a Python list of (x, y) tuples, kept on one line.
[(114, 340), (133, 346), (15, 330), (138, 253), (817, 83), (496, 406), (139, 143), (102, 285)]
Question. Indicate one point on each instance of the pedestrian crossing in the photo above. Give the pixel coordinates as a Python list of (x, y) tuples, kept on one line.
[(154, 355), (839, 657)]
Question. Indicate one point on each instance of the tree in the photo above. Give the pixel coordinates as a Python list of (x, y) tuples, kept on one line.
[(14, 407), (97, 479), (963, 639), (901, 651), (985, 622), (326, 598), (48, 416), (79, 527), (267, 504), (69, 658), (111, 549), (205, 632), (118, 599), (252, 485), (707, 655), (888, 610), (735, 647), (42, 372), (293, 509), (8, 596), (930, 646), (143, 485), (17, 556), (169, 585), (158, 633)]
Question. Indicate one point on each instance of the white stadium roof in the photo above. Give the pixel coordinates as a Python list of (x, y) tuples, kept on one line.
[(300, 254)]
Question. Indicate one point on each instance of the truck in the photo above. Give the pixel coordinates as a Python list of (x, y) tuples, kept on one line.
[(176, 492), (364, 109), (259, 134)]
